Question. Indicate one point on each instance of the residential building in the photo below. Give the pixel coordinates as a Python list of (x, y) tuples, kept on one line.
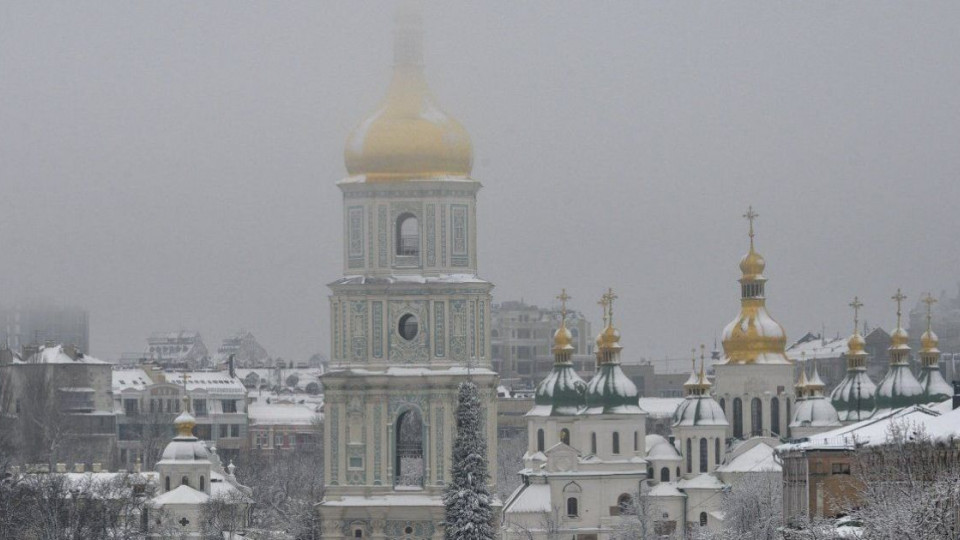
[(284, 426), (183, 350)]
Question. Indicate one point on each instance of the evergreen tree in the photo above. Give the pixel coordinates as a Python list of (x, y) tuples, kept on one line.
[(468, 500)]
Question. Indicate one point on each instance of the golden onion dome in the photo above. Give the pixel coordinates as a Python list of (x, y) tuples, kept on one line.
[(562, 339), (752, 264), (929, 341), (856, 344), (409, 135), (899, 338), (610, 338)]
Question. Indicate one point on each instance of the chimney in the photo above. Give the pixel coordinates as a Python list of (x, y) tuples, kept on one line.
[(956, 394), (231, 366), (96, 467), (61, 467), (79, 467)]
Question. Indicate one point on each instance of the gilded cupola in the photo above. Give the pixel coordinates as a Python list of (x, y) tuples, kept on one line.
[(935, 387), (899, 387), (409, 136), (854, 397), (561, 393), (610, 391), (754, 337)]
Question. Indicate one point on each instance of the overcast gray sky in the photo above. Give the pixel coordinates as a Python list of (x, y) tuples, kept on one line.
[(173, 164)]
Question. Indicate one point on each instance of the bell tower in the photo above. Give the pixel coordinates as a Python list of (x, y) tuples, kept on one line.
[(410, 318)]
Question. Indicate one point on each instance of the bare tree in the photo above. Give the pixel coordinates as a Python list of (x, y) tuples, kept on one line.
[(640, 516), (509, 463), (753, 508)]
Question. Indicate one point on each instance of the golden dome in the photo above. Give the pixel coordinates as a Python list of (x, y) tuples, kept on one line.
[(752, 264), (856, 344), (899, 338), (185, 423), (562, 339), (929, 341), (409, 135)]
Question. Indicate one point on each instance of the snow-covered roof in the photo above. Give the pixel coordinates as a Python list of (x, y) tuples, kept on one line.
[(812, 347), (760, 458), (135, 378), (815, 411), (409, 278), (660, 449), (219, 382), (56, 355), (701, 481), (659, 407), (699, 411), (531, 498), (183, 494), (282, 414), (665, 489), (398, 499)]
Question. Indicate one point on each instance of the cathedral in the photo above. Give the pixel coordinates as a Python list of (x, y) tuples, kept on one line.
[(410, 318)]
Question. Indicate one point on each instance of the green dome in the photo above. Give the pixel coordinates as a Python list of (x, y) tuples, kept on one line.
[(611, 392), (899, 388), (561, 392), (855, 388)]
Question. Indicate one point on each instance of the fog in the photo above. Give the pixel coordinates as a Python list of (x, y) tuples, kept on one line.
[(172, 165)]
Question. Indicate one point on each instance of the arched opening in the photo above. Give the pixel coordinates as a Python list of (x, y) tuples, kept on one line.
[(408, 326), (716, 451), (166, 484), (202, 485), (572, 493), (625, 504), (572, 507), (540, 442), (616, 442), (409, 465), (593, 443), (408, 236), (665, 474), (184, 481), (678, 472), (704, 458), (788, 417), (703, 519), (565, 436), (737, 418), (756, 417), (636, 441), (689, 455), (775, 416)]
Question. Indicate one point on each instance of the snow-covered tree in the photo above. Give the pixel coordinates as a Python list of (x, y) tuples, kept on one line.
[(469, 515), (639, 518), (753, 509)]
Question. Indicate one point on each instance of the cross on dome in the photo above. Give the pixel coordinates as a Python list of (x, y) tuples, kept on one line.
[(856, 305), (563, 297), (750, 216), (610, 297), (899, 298), (929, 300)]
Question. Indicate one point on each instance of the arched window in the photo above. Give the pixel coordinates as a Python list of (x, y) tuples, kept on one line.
[(636, 441), (572, 493), (572, 510), (184, 481), (678, 472), (716, 451), (593, 443), (409, 465), (540, 442), (775, 416), (408, 326), (201, 483), (689, 455), (723, 405), (756, 417), (650, 472), (704, 458), (408, 236), (166, 484), (616, 442), (565, 436), (625, 504), (737, 418), (665, 474), (703, 519), (788, 417)]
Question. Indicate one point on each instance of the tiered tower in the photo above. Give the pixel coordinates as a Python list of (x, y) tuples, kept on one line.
[(935, 387), (814, 412), (699, 424), (854, 397), (410, 318), (899, 387), (754, 376)]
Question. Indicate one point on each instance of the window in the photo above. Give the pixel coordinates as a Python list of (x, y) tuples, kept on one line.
[(523, 333), (200, 407), (756, 417), (703, 519), (358, 533), (263, 439), (689, 455), (678, 472), (775, 416), (840, 468), (408, 236), (202, 485), (716, 451), (616, 442), (636, 441), (184, 481), (788, 416), (572, 510), (223, 431), (409, 443), (130, 407), (356, 462), (625, 504), (166, 484), (234, 430), (524, 352), (665, 474), (723, 405), (704, 458), (408, 326), (229, 405), (737, 418), (565, 436), (593, 443), (540, 442)]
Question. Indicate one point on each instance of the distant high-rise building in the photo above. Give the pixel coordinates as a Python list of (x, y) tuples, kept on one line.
[(521, 336), (40, 322)]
